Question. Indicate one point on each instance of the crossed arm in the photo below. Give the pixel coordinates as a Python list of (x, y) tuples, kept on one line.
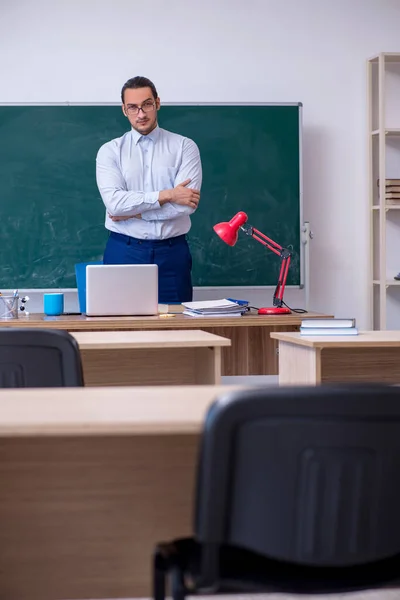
[(123, 204)]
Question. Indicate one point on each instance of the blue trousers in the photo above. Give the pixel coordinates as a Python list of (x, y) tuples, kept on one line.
[(172, 257)]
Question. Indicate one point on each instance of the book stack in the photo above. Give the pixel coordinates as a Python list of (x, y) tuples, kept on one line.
[(328, 327), (215, 308), (392, 191)]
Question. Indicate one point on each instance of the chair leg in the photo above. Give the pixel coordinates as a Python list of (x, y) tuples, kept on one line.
[(178, 589), (159, 576)]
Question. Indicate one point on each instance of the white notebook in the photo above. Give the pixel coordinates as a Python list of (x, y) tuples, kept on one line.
[(331, 331)]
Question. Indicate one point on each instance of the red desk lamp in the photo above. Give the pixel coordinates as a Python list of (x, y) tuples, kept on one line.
[(228, 232)]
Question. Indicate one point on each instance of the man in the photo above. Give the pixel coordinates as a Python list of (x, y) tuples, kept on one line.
[(149, 180)]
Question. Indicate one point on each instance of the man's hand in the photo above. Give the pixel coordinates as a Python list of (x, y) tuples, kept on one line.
[(116, 219), (185, 196), (181, 195)]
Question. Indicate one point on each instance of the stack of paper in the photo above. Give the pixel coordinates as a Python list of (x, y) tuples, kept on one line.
[(328, 327), (214, 308)]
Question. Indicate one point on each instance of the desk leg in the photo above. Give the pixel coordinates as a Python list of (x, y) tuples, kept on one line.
[(299, 365), (207, 368)]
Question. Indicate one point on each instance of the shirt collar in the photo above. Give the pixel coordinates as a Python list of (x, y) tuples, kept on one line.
[(153, 135)]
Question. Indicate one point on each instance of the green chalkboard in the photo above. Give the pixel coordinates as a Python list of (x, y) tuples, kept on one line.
[(52, 215)]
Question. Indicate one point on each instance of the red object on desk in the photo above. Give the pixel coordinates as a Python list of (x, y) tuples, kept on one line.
[(229, 232)]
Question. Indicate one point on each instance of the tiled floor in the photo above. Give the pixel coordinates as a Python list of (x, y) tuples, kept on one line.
[(259, 380), (373, 595)]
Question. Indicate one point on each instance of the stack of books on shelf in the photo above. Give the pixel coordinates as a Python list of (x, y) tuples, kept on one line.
[(215, 308), (392, 191), (328, 327)]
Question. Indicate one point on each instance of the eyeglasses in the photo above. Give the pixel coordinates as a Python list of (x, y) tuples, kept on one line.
[(146, 107)]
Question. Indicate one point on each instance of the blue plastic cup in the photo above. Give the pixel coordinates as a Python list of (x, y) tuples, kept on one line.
[(53, 304)]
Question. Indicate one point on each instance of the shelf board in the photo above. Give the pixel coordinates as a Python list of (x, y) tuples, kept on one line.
[(389, 282), (389, 131), (389, 57), (387, 207)]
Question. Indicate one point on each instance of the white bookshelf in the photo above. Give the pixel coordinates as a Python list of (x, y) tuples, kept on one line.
[(384, 163)]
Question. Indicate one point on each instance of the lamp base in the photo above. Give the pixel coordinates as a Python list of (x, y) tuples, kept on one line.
[(274, 310)]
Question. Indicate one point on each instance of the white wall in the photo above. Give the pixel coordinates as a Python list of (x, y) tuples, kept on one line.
[(313, 51)]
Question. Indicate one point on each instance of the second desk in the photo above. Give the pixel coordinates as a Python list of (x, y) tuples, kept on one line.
[(151, 357), (371, 356)]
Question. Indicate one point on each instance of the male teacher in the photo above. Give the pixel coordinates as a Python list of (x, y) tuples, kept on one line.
[(149, 180)]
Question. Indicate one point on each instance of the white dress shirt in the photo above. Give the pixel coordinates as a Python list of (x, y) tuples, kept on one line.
[(132, 170)]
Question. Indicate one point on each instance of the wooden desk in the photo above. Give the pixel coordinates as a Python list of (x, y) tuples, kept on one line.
[(252, 352), (91, 480), (371, 356), (151, 357)]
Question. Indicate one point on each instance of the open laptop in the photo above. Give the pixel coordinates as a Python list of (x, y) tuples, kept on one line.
[(121, 290)]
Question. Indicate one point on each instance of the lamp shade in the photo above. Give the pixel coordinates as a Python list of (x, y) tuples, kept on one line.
[(228, 231)]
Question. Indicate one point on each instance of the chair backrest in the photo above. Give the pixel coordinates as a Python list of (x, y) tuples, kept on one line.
[(39, 358), (308, 475)]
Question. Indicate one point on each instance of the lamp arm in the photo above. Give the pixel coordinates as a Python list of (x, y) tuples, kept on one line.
[(262, 238), (284, 253), (283, 273)]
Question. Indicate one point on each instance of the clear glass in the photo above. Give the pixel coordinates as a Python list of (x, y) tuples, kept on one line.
[(9, 307)]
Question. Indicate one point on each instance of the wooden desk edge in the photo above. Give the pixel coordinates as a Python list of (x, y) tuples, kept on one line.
[(155, 339), (148, 345), (335, 341), (86, 412), (120, 429), (82, 323)]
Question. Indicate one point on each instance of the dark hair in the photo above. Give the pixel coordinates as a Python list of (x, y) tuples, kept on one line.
[(138, 82)]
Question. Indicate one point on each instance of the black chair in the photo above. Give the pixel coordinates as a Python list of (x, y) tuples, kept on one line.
[(298, 491), (39, 358)]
